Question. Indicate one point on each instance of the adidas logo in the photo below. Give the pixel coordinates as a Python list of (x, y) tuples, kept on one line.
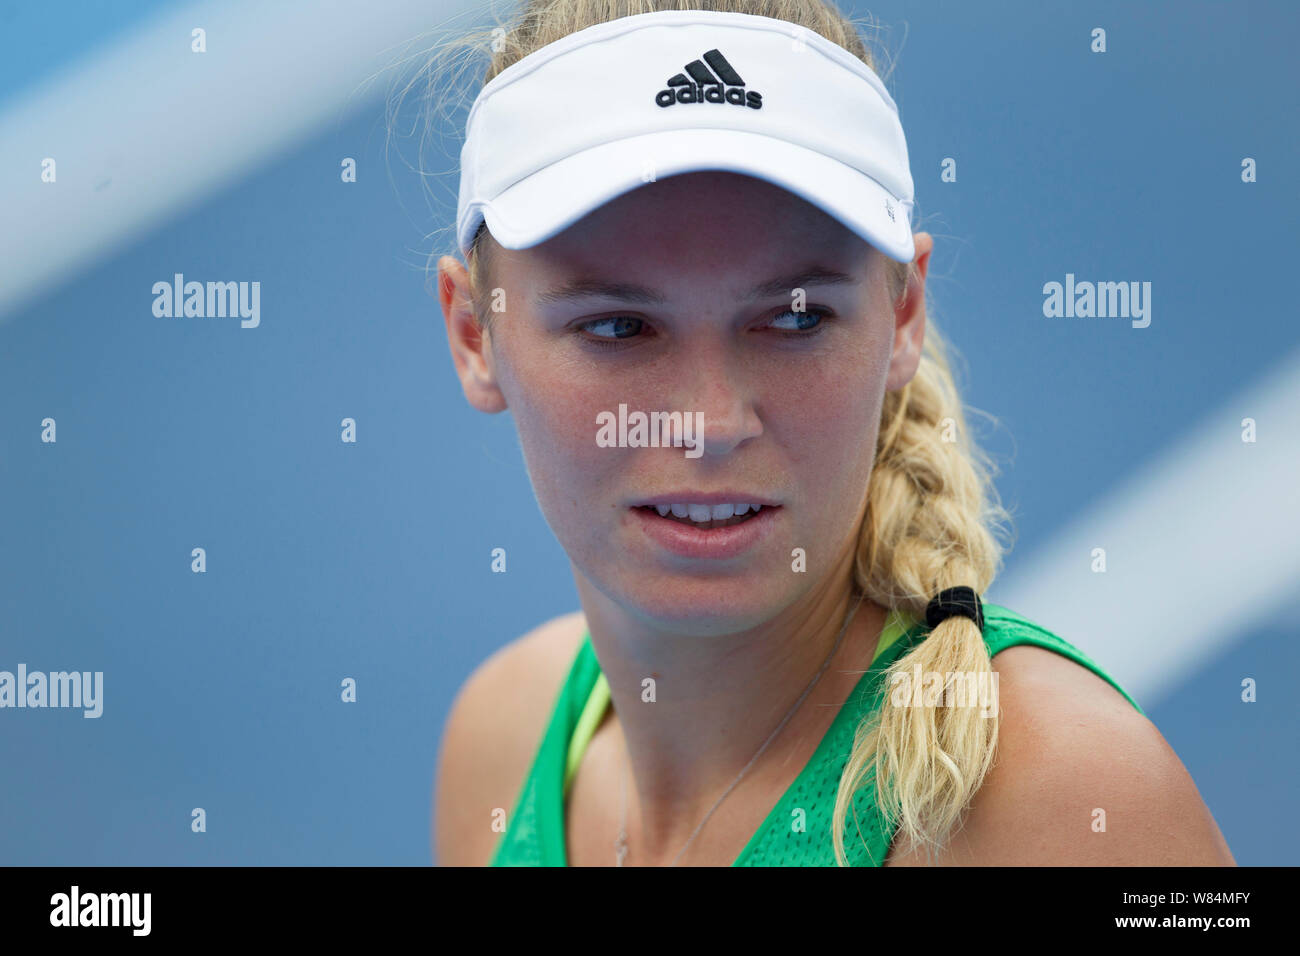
[(705, 86)]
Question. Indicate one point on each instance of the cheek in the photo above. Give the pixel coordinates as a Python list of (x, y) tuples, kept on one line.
[(829, 413), (555, 415)]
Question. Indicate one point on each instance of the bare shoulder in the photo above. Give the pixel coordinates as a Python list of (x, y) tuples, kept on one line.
[(1080, 778), (491, 736)]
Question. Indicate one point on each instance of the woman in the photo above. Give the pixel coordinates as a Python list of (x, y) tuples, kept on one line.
[(703, 219)]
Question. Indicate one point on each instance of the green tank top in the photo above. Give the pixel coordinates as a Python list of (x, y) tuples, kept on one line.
[(535, 833)]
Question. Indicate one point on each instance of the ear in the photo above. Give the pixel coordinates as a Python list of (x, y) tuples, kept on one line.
[(909, 318), (471, 348)]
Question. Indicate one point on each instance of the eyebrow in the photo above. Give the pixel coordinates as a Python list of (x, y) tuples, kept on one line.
[(583, 288)]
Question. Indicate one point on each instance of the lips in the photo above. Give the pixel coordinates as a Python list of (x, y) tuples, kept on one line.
[(721, 538)]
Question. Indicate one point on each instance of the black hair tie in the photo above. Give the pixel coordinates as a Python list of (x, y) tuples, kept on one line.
[(961, 600)]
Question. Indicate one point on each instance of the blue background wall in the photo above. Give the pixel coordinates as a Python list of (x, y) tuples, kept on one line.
[(371, 560)]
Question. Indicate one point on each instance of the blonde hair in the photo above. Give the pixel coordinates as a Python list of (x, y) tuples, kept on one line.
[(932, 511)]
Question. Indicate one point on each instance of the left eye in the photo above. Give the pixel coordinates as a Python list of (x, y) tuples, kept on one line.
[(801, 322), (614, 327)]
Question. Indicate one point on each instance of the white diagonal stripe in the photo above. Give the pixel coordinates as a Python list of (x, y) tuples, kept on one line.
[(146, 127), (1201, 546)]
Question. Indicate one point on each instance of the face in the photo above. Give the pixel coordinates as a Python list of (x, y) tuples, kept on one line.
[(788, 390)]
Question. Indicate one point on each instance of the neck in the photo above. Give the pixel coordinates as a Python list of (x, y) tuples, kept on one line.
[(718, 698)]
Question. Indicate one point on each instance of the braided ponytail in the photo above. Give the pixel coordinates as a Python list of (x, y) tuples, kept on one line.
[(930, 508)]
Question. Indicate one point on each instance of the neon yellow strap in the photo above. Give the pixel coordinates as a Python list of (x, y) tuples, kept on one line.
[(591, 717)]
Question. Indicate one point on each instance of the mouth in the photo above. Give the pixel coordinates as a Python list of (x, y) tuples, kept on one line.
[(707, 531)]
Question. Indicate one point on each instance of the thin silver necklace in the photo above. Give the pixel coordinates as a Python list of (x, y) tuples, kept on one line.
[(620, 844)]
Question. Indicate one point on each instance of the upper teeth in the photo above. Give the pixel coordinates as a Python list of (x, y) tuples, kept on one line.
[(705, 512)]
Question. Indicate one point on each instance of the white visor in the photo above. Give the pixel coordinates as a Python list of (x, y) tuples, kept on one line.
[(610, 108)]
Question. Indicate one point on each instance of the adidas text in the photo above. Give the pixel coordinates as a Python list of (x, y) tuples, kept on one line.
[(714, 94)]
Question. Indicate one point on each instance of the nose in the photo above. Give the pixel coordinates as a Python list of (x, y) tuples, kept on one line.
[(721, 396)]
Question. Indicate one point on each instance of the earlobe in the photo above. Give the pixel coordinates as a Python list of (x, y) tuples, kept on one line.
[(471, 347), (905, 361)]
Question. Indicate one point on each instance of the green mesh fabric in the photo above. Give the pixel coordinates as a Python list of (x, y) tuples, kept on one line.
[(797, 832)]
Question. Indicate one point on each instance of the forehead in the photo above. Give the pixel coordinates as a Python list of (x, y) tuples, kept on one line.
[(700, 224)]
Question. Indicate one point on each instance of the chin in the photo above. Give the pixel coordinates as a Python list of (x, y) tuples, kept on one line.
[(700, 605)]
